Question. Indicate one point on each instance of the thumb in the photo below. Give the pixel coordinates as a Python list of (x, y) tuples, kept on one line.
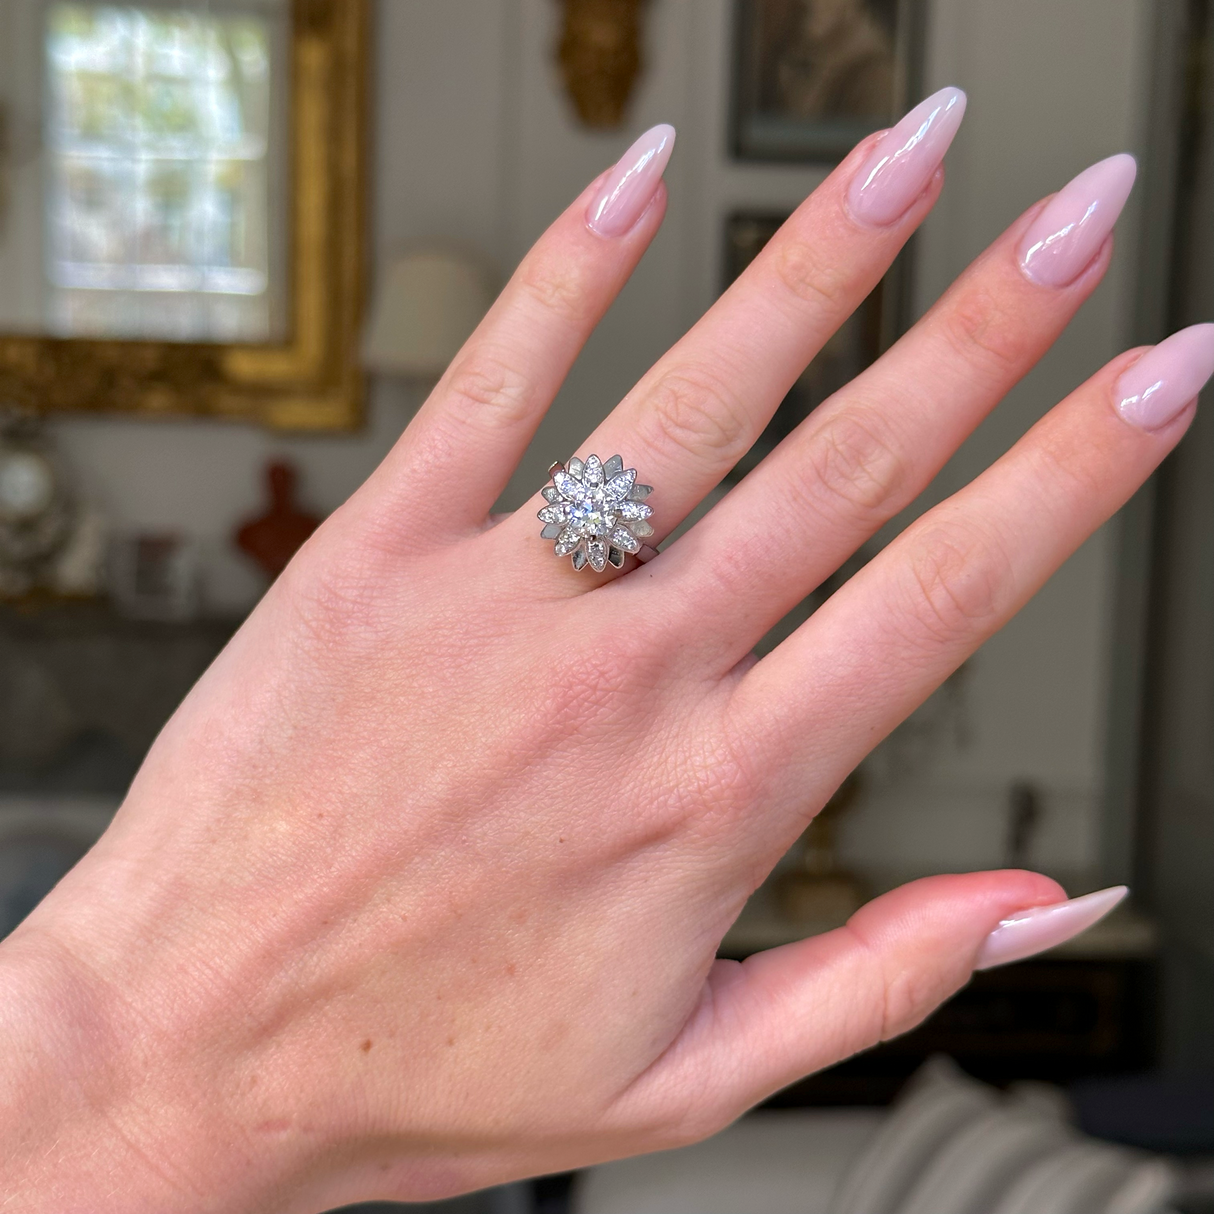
[(772, 1019)]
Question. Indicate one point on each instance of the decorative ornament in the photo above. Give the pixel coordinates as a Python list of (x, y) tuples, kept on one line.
[(600, 57), (273, 538), (596, 512), (816, 889), (36, 510)]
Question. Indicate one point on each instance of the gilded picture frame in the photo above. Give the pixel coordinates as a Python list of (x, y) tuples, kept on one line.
[(811, 78), (312, 379)]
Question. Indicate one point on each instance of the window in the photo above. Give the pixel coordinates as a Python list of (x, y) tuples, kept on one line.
[(158, 173)]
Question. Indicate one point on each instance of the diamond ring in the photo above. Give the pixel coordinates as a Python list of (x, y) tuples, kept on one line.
[(596, 512)]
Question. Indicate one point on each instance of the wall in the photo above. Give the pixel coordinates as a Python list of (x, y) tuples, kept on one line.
[(474, 141), (22, 280), (1178, 818), (1052, 87)]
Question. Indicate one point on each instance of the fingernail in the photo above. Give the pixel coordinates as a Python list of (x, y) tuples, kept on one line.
[(1163, 381), (632, 184), (1042, 927), (1066, 236), (903, 162)]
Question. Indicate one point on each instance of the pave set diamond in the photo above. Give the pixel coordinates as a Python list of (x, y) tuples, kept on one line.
[(596, 512)]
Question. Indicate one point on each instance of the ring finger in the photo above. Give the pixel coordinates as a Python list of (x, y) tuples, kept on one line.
[(704, 403)]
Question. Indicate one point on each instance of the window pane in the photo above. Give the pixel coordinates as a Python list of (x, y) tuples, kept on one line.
[(159, 174)]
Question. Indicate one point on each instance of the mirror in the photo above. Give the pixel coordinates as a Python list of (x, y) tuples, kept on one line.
[(180, 207)]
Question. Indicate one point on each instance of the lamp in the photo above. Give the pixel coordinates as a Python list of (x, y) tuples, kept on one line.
[(425, 309)]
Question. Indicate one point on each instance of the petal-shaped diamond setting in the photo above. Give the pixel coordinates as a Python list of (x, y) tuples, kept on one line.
[(595, 512), (619, 487), (621, 537)]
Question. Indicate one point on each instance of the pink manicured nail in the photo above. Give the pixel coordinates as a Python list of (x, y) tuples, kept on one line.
[(1066, 236), (1042, 927), (903, 162), (1159, 385), (632, 184)]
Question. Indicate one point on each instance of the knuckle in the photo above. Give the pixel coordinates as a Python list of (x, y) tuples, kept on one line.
[(982, 332), (696, 1121), (866, 1010), (686, 1114), (334, 600), (855, 460), (1058, 463), (893, 996), (910, 994), (808, 276), (729, 569), (601, 677), (557, 287), (484, 389), (697, 415), (959, 579)]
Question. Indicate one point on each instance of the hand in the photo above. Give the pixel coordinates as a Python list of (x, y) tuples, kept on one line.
[(420, 889)]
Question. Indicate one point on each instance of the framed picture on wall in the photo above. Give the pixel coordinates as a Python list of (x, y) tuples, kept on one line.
[(845, 355), (813, 77)]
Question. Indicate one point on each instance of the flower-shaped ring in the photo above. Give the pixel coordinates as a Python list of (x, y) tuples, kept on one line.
[(596, 511)]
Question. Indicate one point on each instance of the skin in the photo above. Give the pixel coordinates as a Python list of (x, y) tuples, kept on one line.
[(420, 889)]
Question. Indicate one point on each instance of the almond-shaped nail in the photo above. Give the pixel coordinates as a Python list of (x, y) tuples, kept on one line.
[(904, 160), (1063, 239), (631, 185), (1159, 385), (1043, 927)]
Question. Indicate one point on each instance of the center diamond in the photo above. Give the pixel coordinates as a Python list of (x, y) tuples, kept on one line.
[(596, 512), (591, 516)]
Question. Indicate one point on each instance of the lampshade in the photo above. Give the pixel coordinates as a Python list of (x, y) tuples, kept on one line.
[(427, 306)]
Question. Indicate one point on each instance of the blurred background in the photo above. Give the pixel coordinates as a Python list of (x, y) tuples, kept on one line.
[(240, 240)]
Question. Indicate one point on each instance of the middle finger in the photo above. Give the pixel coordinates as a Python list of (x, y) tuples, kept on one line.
[(871, 449), (702, 406)]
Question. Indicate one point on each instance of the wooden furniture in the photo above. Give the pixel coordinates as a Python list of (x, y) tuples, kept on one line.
[(84, 692)]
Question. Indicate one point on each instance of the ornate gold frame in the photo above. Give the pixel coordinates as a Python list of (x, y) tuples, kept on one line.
[(313, 381)]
